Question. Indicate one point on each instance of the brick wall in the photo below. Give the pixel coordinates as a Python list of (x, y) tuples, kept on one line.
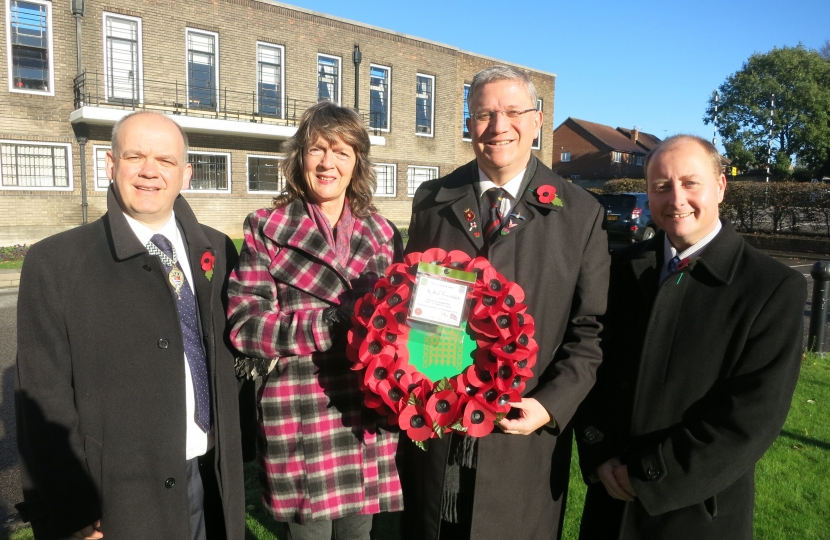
[(26, 216)]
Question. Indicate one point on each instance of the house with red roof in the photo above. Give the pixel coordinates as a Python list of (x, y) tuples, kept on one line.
[(585, 150)]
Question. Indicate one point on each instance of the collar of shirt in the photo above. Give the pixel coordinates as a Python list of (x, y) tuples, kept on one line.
[(669, 251), (511, 189)]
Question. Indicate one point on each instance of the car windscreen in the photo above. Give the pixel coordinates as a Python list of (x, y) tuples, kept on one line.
[(619, 202)]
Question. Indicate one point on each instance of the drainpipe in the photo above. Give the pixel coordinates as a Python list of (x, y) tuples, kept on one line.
[(356, 58), (81, 130)]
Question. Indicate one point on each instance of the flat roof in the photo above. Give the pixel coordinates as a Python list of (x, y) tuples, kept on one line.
[(414, 38)]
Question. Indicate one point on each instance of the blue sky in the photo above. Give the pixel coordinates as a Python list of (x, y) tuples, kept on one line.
[(647, 64)]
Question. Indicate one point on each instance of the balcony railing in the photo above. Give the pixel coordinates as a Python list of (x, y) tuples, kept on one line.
[(174, 97)]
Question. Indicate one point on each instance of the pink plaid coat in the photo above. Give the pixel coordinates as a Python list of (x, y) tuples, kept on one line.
[(322, 454)]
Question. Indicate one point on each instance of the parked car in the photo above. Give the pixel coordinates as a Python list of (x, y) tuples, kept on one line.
[(627, 216)]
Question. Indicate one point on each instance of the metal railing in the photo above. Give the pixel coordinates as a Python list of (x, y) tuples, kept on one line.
[(93, 88)]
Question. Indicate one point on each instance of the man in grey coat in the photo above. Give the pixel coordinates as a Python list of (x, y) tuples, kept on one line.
[(546, 235), (702, 345), (127, 411)]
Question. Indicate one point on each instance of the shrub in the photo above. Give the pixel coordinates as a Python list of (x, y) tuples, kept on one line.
[(13, 253), (636, 185)]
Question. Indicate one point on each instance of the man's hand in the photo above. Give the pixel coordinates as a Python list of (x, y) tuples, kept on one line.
[(607, 473), (91, 532), (532, 416)]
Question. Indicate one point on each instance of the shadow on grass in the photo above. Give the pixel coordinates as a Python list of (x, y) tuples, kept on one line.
[(806, 440)]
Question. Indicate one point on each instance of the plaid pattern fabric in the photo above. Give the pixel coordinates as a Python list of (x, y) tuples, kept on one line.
[(322, 454)]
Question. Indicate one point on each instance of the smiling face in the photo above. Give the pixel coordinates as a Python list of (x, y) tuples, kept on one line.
[(327, 169), (150, 169), (684, 192), (502, 145)]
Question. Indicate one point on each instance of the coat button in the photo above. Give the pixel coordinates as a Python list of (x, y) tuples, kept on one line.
[(652, 473), (163, 343), (148, 267), (170, 482)]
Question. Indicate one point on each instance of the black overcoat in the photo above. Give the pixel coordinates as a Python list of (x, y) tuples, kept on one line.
[(559, 255), (696, 381), (101, 383)]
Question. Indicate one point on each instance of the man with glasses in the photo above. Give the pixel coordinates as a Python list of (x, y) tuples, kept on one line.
[(545, 234)]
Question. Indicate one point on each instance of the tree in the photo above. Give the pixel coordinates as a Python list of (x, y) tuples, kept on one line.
[(824, 50), (800, 80)]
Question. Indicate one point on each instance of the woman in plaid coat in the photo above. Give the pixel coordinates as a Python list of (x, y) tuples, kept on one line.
[(325, 460)]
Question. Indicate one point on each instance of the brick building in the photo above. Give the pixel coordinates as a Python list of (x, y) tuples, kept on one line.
[(237, 75), (587, 151)]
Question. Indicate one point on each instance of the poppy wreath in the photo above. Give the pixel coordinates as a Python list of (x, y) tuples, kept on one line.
[(470, 403)]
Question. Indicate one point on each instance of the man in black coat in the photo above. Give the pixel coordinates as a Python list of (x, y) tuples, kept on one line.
[(127, 414), (548, 238), (702, 344)]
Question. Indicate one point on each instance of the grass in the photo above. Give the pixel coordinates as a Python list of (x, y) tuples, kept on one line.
[(792, 493), (11, 257)]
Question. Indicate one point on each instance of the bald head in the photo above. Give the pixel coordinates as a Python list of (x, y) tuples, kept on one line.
[(151, 116)]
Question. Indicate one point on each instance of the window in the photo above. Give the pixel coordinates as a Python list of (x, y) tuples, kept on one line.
[(574, 177), (617, 157), (210, 171), (386, 175), (328, 78), (379, 77), (640, 161), (269, 79), (566, 156), (122, 58), (264, 174), (424, 91), (29, 46), (99, 155), (465, 133), (415, 176), (35, 166), (537, 142), (202, 70)]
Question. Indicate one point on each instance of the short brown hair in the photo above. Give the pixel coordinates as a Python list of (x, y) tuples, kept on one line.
[(675, 140), (330, 122)]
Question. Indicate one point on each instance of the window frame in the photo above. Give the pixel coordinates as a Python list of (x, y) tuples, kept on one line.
[(248, 174), (431, 106), (538, 139), (188, 31), (388, 69), (95, 177), (50, 50), (563, 155), (394, 180), (465, 114), (227, 172), (139, 43), (339, 76), (408, 181), (616, 157), (69, 167), (639, 161), (282, 77)]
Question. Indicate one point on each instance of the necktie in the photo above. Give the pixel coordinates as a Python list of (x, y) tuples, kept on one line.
[(673, 264), (495, 195), (185, 301)]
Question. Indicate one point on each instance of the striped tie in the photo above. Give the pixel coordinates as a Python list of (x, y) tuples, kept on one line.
[(495, 195)]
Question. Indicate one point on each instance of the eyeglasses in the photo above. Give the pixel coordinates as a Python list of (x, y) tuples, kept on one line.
[(486, 116)]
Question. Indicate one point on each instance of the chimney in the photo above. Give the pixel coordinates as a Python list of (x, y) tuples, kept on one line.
[(635, 133)]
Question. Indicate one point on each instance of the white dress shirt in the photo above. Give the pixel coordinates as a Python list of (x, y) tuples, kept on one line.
[(198, 442), (511, 189), (669, 251)]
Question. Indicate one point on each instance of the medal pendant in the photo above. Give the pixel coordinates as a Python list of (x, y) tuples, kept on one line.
[(176, 279)]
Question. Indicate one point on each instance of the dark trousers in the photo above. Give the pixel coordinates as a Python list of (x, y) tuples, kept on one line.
[(207, 519), (356, 527)]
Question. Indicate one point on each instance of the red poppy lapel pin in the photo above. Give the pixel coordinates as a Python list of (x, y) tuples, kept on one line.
[(547, 194), (208, 260)]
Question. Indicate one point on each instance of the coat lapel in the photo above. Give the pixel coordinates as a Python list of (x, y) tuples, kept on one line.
[(461, 195), (310, 264), (197, 246)]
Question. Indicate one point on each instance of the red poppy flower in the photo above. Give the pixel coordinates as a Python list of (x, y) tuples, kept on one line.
[(392, 395), (378, 370), (207, 261), (433, 256), (443, 407), (456, 258), (416, 422), (477, 419), (546, 193)]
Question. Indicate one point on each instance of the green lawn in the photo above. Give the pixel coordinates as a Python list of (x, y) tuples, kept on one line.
[(792, 491)]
